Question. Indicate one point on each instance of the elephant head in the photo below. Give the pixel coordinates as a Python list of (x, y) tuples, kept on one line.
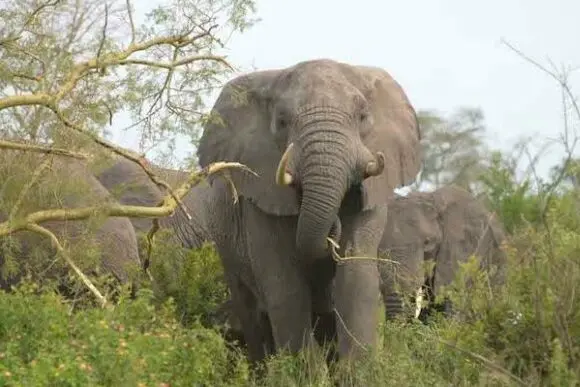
[(446, 227), (312, 132)]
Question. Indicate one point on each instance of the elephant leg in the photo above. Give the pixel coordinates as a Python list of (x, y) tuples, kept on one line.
[(393, 305), (280, 280), (400, 282), (437, 282), (430, 294), (290, 313), (288, 303), (323, 318), (245, 307), (357, 283), (391, 297)]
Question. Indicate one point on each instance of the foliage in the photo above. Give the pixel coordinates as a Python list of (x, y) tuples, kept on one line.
[(570, 172), (157, 70), (192, 278), (526, 332), (67, 68), (454, 149), (514, 202), (135, 344)]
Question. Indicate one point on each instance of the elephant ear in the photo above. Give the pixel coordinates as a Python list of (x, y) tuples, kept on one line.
[(395, 131), (467, 228), (238, 130)]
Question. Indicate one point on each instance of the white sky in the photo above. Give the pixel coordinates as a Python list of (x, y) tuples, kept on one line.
[(445, 53)]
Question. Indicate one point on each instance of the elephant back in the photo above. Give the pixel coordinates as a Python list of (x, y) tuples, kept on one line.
[(104, 244)]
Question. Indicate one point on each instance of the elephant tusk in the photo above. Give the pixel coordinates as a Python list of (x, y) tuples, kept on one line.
[(377, 166), (418, 302), (282, 176)]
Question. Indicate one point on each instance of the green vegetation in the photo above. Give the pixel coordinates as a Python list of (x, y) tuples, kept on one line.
[(525, 333), (170, 334)]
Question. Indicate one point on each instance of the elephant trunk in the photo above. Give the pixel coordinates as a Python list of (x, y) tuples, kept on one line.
[(325, 163), (393, 305), (323, 188)]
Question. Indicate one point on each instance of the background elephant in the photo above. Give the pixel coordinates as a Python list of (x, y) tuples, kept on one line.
[(446, 226), (329, 142), (65, 183), (131, 186)]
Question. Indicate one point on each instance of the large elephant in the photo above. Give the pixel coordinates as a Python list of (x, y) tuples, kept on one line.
[(445, 227), (329, 142), (65, 183)]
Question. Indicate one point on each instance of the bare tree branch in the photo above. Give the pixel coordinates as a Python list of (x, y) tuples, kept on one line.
[(33, 180), (568, 143), (167, 207), (56, 244), (41, 149), (131, 21)]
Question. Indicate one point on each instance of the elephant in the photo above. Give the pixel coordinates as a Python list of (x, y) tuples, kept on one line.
[(327, 143), (445, 226), (130, 185), (65, 183)]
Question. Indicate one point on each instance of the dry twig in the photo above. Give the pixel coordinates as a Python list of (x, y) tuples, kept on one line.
[(31, 221)]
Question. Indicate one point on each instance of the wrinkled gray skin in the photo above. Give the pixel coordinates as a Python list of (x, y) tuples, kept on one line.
[(445, 226), (312, 132), (115, 238)]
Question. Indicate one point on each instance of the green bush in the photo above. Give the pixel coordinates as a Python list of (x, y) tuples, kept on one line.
[(193, 278), (136, 344), (524, 333)]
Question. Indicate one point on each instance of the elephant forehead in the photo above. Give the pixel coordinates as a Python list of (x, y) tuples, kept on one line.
[(317, 84)]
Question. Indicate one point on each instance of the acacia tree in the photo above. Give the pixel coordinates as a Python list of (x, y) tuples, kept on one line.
[(69, 68), (454, 150)]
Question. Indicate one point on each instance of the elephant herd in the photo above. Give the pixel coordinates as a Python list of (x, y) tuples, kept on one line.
[(328, 142)]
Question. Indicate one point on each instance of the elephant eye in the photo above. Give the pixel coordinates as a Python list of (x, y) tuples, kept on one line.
[(282, 122), (429, 244), (364, 114)]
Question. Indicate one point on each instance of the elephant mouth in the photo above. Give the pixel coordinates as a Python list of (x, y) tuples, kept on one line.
[(326, 184), (285, 177)]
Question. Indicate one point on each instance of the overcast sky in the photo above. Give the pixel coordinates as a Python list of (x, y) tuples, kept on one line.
[(445, 53)]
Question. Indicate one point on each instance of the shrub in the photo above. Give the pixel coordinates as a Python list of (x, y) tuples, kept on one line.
[(193, 278), (526, 332), (136, 344)]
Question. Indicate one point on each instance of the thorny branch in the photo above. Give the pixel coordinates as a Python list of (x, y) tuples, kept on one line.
[(568, 143), (52, 99), (131, 21), (166, 208), (29, 20), (334, 247), (191, 181), (486, 362), (41, 149), (119, 58), (54, 240)]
